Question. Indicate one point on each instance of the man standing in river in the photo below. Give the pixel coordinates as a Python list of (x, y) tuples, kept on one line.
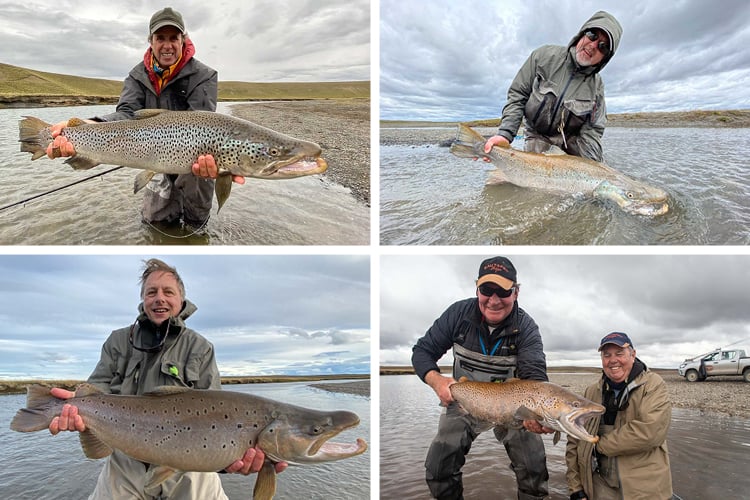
[(493, 340)]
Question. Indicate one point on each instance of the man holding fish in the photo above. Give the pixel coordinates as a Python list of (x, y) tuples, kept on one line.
[(169, 77), (157, 350), (560, 93), (493, 340)]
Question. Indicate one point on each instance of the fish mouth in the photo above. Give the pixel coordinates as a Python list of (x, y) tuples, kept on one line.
[(323, 450), (296, 166), (649, 209), (573, 423)]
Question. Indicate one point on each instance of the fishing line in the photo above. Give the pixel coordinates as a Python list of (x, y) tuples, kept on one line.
[(58, 188)]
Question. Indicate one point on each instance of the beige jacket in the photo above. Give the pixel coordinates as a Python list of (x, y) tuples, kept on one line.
[(639, 441)]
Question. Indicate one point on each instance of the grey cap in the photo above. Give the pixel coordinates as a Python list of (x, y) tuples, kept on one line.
[(166, 17)]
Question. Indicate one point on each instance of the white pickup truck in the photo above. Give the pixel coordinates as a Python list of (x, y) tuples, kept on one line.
[(722, 362)]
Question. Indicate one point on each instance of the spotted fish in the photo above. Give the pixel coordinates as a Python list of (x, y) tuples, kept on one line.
[(181, 429), (170, 142), (509, 403), (562, 173)]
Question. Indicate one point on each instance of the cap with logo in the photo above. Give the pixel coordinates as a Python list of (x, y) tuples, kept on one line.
[(497, 270)]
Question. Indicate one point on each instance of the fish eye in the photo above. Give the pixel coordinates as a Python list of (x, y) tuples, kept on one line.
[(576, 404), (630, 195), (274, 151), (317, 429)]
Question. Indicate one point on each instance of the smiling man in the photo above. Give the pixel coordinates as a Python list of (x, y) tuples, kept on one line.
[(492, 340), (561, 94), (631, 459)]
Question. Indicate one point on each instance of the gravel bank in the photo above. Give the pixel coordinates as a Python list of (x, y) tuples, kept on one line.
[(341, 127), (360, 387)]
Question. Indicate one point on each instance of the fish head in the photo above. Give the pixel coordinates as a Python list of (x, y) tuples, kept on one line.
[(634, 197), (277, 156), (569, 413), (302, 437)]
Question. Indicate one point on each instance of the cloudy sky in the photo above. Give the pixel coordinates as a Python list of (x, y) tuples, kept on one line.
[(256, 41), (264, 314), (447, 60), (672, 306)]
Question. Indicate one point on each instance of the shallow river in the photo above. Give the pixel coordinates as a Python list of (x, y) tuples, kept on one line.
[(708, 454), (104, 211), (430, 197), (37, 466)]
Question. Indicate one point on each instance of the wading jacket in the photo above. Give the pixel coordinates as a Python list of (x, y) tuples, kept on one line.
[(186, 360), (638, 442), (551, 88), (462, 324)]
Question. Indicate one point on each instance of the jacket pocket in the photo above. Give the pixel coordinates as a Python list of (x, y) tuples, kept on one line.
[(578, 112), (541, 102), (175, 372)]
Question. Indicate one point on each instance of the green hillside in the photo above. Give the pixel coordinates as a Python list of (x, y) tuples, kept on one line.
[(21, 85)]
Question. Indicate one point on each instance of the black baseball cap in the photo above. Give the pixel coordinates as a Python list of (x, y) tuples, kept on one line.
[(497, 270)]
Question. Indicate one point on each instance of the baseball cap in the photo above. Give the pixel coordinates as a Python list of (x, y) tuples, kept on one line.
[(497, 270), (166, 17), (617, 338)]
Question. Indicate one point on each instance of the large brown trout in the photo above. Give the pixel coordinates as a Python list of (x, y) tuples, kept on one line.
[(562, 173), (170, 142), (181, 429), (509, 403)]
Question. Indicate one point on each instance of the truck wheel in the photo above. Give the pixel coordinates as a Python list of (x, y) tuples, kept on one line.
[(746, 374), (692, 376)]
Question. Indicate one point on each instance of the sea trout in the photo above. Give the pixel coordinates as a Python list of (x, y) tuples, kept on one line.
[(182, 429), (509, 403), (562, 173), (170, 142)]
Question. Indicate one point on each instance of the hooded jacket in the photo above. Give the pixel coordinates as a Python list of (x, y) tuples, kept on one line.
[(552, 88), (462, 324), (186, 359), (638, 442)]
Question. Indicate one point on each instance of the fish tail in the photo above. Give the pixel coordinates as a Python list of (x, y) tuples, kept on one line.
[(42, 407), (468, 143), (34, 136)]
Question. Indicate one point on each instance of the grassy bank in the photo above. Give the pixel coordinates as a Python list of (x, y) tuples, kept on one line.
[(19, 386), (28, 87)]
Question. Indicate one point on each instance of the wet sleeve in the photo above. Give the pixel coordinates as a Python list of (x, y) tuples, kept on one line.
[(532, 363), (434, 344), (132, 98), (518, 94)]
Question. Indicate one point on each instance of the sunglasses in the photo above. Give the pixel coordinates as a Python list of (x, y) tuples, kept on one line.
[(602, 46), (488, 291)]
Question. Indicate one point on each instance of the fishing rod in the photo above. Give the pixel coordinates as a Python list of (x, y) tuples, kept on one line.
[(59, 188)]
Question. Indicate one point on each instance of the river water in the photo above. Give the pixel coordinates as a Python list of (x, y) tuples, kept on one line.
[(104, 211), (708, 454), (37, 466), (430, 197)]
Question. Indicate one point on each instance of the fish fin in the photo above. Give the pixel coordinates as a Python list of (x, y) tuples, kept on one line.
[(32, 137), (223, 188), (142, 114), (556, 438), (165, 390), (554, 151), (265, 483), (35, 417), (92, 446), (468, 143), (80, 162), (463, 379), (87, 389), (496, 177), (75, 122), (142, 179), (523, 413), (157, 475)]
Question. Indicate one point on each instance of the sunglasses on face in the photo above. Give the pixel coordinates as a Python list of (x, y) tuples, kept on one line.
[(489, 290), (602, 45)]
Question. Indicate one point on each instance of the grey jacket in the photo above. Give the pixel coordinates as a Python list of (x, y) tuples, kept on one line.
[(462, 324), (551, 88), (187, 358)]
